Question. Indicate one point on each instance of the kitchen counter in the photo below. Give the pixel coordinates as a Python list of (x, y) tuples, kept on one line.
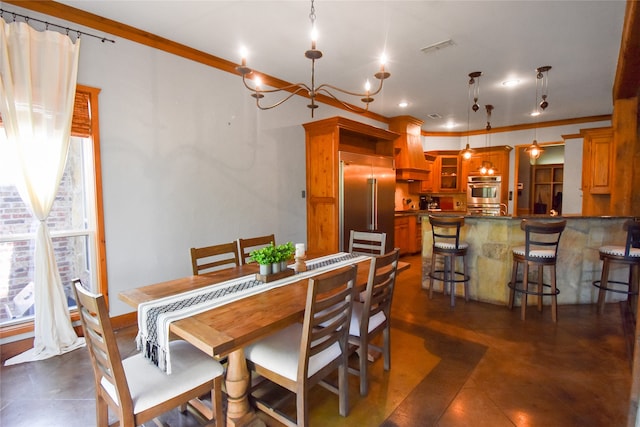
[(491, 239)]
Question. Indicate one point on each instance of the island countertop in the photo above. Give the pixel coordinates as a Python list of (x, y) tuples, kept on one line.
[(492, 238)]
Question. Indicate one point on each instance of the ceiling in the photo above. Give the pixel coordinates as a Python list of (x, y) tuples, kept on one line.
[(503, 39)]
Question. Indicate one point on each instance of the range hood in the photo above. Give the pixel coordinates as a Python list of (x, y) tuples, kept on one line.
[(411, 164)]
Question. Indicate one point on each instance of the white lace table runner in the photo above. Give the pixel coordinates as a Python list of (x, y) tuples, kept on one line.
[(154, 317)]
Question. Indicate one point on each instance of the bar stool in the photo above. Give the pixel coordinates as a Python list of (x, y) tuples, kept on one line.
[(447, 244), (540, 249), (629, 255)]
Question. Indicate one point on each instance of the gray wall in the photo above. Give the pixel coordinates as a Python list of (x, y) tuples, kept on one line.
[(188, 160)]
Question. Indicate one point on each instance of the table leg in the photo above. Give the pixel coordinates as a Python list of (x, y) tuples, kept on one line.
[(237, 382)]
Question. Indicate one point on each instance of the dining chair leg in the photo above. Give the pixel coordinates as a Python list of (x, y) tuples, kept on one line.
[(386, 347), (216, 401), (525, 287), (363, 360), (102, 412), (343, 387), (302, 409)]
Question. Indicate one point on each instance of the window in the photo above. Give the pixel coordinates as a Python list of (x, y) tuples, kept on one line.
[(75, 221)]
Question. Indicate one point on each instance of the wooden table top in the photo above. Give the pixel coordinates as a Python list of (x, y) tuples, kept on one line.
[(226, 328)]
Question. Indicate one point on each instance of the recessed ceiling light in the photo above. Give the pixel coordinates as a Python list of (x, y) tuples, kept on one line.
[(511, 82), (450, 125), (535, 113), (403, 104)]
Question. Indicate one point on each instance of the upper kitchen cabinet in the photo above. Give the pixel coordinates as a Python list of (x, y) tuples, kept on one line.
[(425, 185), (597, 170), (324, 140), (409, 154), (446, 172), (597, 160), (496, 157)]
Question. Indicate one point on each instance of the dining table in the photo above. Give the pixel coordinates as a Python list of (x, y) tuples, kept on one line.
[(226, 329)]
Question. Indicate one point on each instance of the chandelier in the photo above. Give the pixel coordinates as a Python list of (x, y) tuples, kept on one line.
[(312, 91), (542, 81), (474, 86)]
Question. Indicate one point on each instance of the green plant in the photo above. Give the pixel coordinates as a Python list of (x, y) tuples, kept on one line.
[(265, 256), (285, 251)]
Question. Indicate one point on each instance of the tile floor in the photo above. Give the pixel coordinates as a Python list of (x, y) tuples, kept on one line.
[(476, 364)]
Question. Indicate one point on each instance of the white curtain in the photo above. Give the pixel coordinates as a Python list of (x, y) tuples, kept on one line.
[(38, 71)]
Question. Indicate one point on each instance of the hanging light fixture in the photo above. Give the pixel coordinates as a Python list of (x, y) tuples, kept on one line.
[(487, 166), (312, 91), (542, 85), (474, 86)]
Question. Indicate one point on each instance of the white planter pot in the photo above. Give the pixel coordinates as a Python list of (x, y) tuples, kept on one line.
[(265, 269), (275, 267)]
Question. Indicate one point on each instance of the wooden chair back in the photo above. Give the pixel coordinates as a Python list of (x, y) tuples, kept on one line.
[(446, 231), (374, 314), (367, 242), (326, 322), (103, 350), (379, 292), (632, 227), (216, 257), (245, 246), (541, 236)]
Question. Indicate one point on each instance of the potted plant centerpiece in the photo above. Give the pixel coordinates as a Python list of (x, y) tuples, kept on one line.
[(273, 259), (285, 253), (265, 257)]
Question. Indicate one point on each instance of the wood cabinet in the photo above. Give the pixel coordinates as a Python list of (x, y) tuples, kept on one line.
[(419, 187), (446, 171), (498, 157), (547, 182), (409, 154), (598, 159), (407, 234), (401, 233), (324, 140)]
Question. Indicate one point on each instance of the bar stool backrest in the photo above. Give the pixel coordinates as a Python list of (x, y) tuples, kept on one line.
[(542, 238), (632, 227), (446, 231)]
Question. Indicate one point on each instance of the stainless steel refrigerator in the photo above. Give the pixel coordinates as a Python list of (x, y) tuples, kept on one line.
[(367, 196)]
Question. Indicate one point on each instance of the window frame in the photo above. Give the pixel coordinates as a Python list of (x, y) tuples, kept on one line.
[(27, 327)]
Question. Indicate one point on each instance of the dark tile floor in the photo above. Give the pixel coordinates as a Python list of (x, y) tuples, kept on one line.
[(476, 364)]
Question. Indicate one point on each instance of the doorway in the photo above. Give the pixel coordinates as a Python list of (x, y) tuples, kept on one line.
[(539, 184)]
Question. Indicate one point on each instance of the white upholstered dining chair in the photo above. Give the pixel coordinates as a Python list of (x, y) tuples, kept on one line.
[(373, 316), (302, 355), (136, 390)]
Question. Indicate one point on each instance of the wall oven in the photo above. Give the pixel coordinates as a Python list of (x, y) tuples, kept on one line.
[(483, 194)]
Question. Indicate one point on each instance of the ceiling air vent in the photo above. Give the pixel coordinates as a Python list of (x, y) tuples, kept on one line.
[(434, 116), (438, 46)]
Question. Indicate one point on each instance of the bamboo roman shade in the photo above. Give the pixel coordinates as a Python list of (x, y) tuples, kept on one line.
[(81, 121)]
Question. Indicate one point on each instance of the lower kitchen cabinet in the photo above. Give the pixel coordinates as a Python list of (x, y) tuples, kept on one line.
[(408, 234)]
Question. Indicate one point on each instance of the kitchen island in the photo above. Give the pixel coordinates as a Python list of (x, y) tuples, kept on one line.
[(489, 258)]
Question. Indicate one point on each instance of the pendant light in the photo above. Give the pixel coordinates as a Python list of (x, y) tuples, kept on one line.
[(487, 166), (542, 80), (474, 86)]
